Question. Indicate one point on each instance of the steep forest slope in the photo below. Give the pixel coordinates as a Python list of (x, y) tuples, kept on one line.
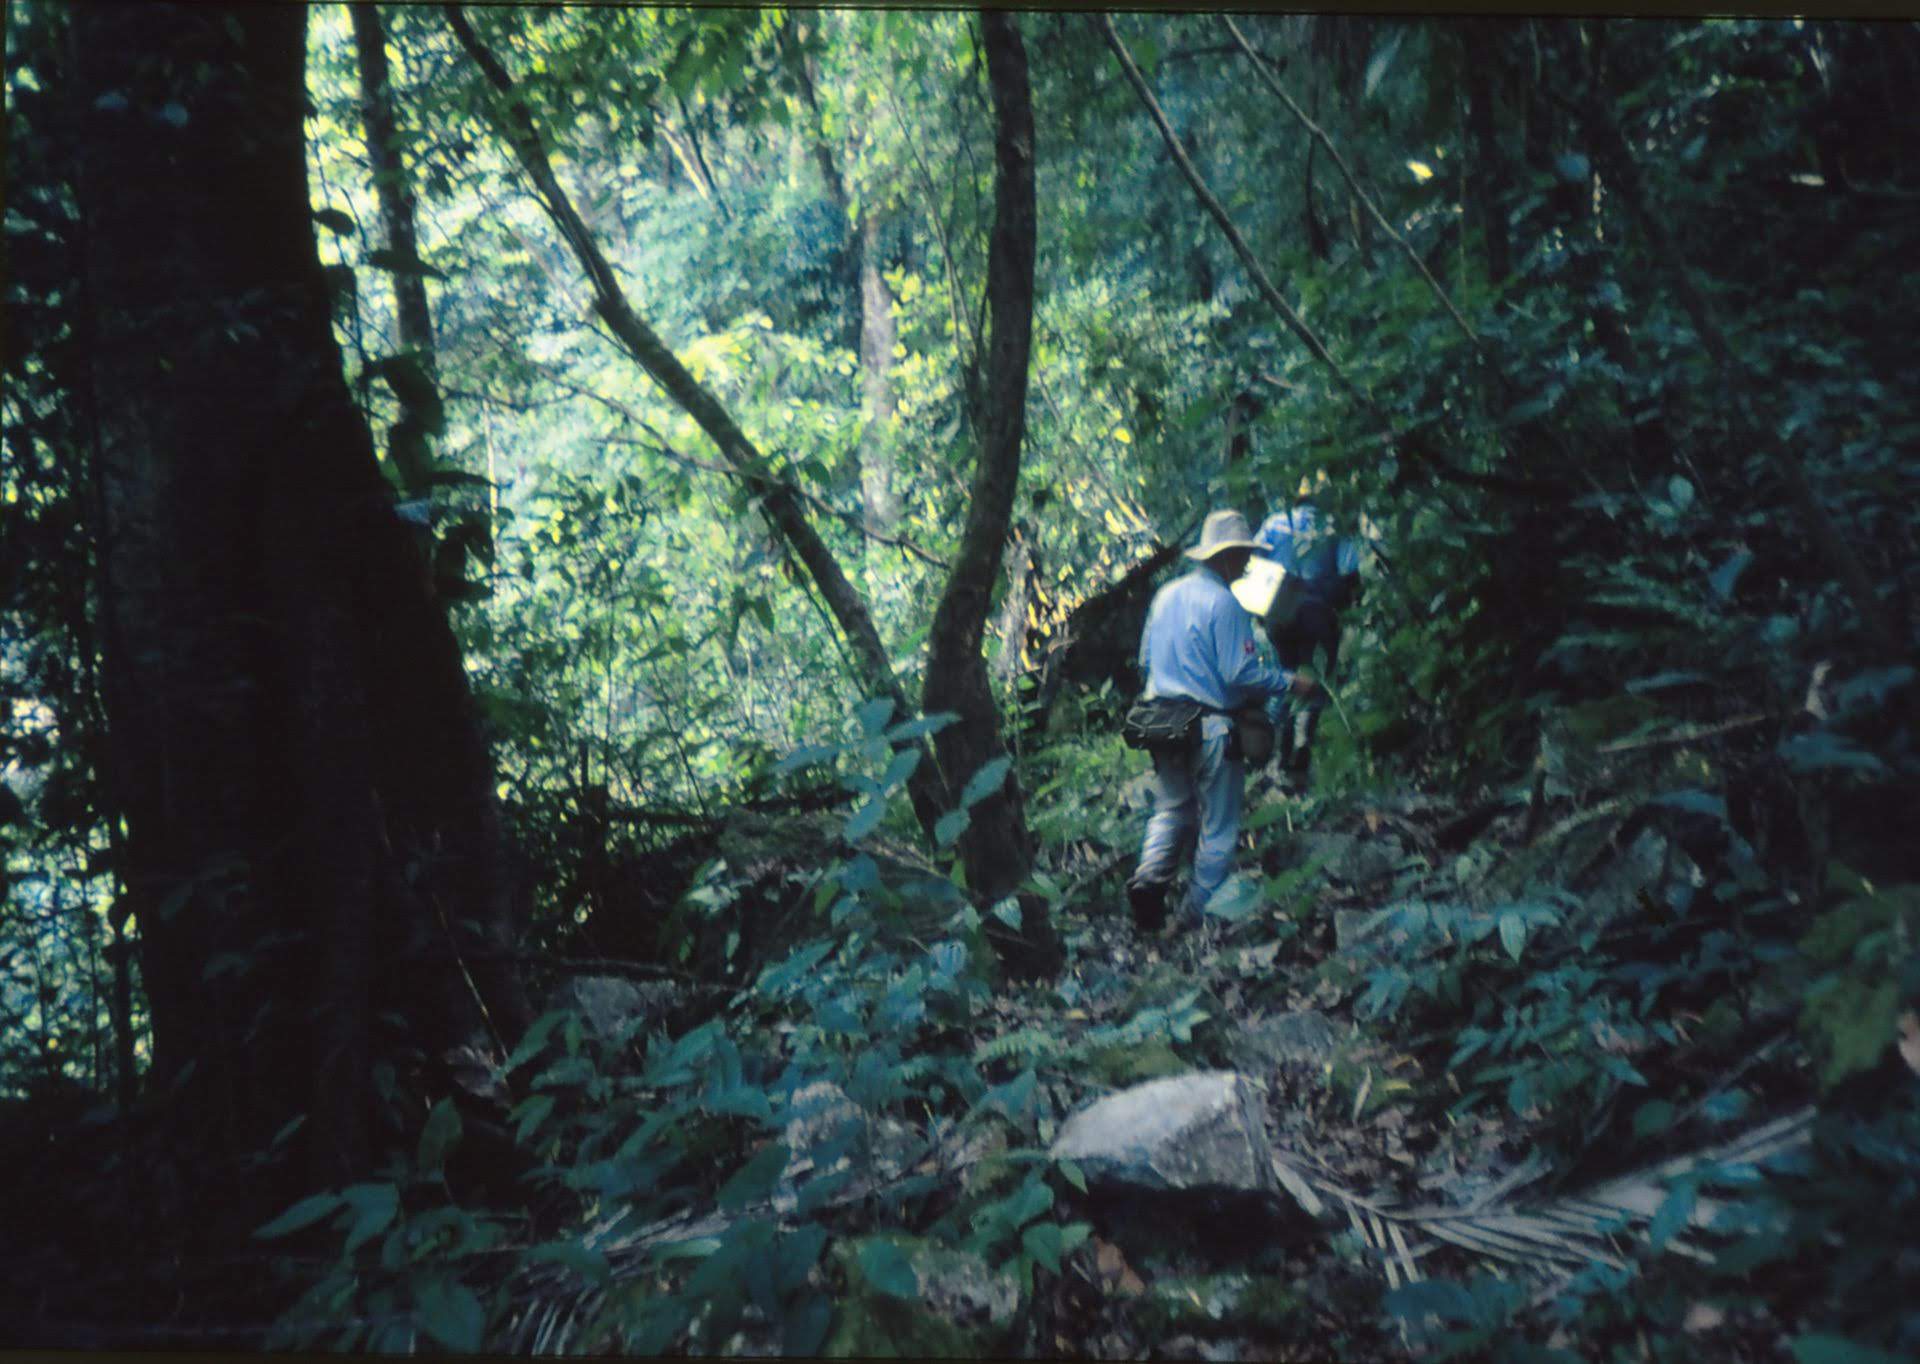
[(570, 576)]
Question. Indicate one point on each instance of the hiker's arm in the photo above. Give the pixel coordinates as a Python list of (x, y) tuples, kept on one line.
[(1243, 673)]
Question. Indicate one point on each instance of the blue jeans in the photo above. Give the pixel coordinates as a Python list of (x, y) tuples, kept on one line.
[(1196, 799)]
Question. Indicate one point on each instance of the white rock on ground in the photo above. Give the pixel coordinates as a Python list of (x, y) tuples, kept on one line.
[(1199, 1131)]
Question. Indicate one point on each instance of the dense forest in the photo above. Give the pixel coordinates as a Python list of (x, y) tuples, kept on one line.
[(571, 579)]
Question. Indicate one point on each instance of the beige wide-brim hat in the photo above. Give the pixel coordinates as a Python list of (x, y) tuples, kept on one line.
[(1223, 530)]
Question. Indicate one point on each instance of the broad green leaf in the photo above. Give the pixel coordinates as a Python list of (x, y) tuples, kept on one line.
[(887, 1268), (757, 1178), (985, 782), (903, 765), (1696, 802), (1042, 1242), (1651, 1119), (530, 1115), (451, 1314), (1007, 911), (1674, 1214), (873, 715), (535, 1038), (374, 1206), (922, 727), (807, 755), (1726, 577), (950, 826), (1238, 899), (438, 1136), (1271, 813), (1513, 934), (865, 820), (1824, 751), (302, 1214)]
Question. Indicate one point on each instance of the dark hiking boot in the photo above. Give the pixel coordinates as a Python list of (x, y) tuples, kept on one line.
[(1148, 900)]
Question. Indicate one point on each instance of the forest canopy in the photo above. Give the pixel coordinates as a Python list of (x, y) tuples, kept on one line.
[(572, 576)]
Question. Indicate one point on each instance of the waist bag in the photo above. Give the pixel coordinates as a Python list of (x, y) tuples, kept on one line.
[(1164, 722)]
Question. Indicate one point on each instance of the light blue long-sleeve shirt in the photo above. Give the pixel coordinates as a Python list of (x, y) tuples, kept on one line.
[(1300, 540), (1199, 645)]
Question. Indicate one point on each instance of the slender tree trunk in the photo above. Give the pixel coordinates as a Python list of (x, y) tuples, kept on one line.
[(870, 314), (420, 412), (995, 848), (1489, 179), (312, 838), (878, 334)]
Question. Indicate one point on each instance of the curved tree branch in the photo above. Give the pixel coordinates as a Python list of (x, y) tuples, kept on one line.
[(779, 503), (1353, 183)]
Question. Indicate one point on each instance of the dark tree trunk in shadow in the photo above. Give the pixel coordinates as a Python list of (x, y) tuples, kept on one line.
[(313, 841), (996, 848)]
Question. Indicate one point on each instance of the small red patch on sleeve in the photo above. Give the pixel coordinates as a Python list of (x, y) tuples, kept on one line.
[(1249, 648)]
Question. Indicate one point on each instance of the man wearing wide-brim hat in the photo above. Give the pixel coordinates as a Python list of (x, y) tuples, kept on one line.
[(1198, 647)]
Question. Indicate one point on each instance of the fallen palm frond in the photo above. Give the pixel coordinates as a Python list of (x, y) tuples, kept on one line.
[(1591, 1225)]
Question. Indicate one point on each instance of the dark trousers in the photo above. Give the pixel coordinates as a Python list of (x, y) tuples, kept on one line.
[(1316, 625)]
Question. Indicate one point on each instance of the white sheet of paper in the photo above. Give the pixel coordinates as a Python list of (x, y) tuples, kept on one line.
[(1259, 585)]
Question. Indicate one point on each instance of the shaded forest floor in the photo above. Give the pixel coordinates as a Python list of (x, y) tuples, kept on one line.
[(1508, 1054)]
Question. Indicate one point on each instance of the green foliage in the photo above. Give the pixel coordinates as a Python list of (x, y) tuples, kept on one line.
[(1594, 602)]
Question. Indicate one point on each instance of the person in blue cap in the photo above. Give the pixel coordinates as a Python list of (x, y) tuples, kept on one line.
[(1327, 566), (1198, 646)]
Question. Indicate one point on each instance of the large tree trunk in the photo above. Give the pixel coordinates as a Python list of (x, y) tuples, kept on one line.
[(995, 848), (316, 863)]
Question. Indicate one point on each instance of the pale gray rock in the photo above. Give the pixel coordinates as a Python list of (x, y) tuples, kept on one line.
[(1203, 1131), (1304, 1038), (960, 1287), (827, 1133), (1351, 858)]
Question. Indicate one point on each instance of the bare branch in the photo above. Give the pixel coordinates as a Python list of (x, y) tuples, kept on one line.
[(1353, 183)]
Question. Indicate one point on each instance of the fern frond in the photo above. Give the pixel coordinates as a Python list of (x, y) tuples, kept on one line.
[(1033, 1044)]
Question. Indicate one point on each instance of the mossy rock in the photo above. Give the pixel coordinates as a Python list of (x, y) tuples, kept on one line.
[(1218, 1304), (911, 1298), (873, 1325), (1118, 1067)]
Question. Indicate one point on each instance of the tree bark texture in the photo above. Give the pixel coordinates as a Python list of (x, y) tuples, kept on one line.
[(995, 848), (780, 501), (878, 333), (309, 801), (1489, 179), (871, 311), (419, 412)]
